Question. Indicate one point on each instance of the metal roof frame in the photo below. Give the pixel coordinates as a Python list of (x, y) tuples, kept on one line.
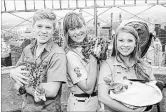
[(146, 2), (95, 6)]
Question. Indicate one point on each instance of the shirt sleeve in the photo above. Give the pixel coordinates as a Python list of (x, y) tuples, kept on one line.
[(76, 70), (105, 73), (57, 68), (148, 69), (21, 59)]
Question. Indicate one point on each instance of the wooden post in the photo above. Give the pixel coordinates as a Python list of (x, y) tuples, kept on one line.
[(120, 17), (68, 4), (135, 2), (25, 4), (59, 26), (14, 4), (80, 12), (60, 3), (52, 4), (5, 4), (95, 18), (34, 3), (76, 3), (44, 4), (111, 25), (85, 3)]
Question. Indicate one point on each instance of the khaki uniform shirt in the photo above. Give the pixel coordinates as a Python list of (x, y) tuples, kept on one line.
[(117, 71), (78, 69), (53, 60)]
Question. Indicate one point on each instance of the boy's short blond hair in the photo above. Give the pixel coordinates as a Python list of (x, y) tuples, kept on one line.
[(45, 14)]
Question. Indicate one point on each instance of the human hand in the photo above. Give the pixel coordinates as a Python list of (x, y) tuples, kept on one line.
[(36, 97), (92, 58), (40, 93), (17, 86), (107, 80), (97, 49), (140, 109), (20, 75)]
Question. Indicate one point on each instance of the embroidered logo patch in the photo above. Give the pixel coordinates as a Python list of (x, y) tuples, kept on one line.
[(77, 71)]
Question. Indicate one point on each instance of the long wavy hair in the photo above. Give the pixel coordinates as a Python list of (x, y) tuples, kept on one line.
[(72, 20), (139, 65)]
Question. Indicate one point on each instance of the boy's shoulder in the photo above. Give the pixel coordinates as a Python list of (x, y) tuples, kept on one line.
[(28, 47), (57, 49), (54, 48)]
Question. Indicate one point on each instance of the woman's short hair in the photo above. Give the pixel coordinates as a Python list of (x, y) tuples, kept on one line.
[(72, 20), (131, 30), (45, 14)]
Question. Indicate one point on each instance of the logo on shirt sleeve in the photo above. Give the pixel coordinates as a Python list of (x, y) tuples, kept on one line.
[(77, 71)]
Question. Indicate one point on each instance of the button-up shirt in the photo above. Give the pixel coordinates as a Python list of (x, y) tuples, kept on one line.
[(53, 60), (78, 69), (116, 71)]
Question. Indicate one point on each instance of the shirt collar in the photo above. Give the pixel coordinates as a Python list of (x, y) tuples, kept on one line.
[(47, 47), (118, 62)]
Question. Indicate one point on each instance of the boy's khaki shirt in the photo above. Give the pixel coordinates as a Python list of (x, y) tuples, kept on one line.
[(53, 58)]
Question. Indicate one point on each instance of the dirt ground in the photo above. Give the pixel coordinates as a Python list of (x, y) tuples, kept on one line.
[(10, 101)]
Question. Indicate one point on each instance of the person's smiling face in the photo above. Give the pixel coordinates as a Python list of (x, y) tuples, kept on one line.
[(125, 43), (77, 34), (43, 30)]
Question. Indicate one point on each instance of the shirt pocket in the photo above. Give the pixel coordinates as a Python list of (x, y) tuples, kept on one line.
[(42, 68), (29, 59), (119, 73)]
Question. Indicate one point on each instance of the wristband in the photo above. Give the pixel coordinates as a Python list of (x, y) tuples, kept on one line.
[(22, 90)]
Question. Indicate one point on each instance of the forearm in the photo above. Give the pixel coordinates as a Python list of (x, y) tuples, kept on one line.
[(30, 90), (113, 104), (17, 74), (103, 96), (51, 88), (92, 77)]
